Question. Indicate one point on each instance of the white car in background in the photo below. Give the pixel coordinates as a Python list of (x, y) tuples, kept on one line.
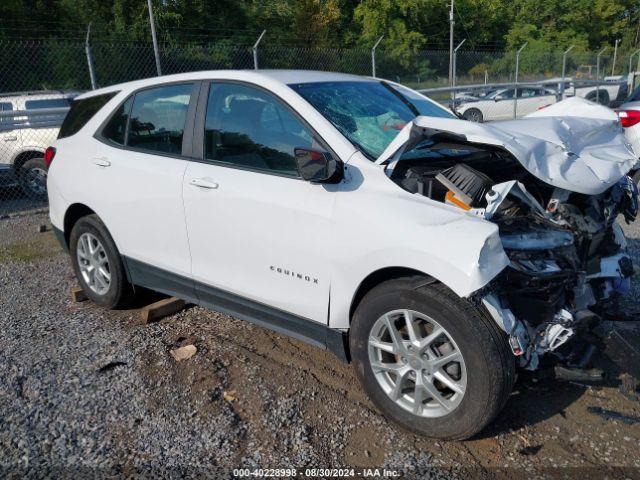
[(612, 89), (629, 114), (355, 214), (499, 104), (24, 138)]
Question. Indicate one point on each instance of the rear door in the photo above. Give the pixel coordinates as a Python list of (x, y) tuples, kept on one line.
[(256, 229), (135, 175)]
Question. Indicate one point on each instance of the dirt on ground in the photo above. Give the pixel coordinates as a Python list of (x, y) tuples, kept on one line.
[(87, 390)]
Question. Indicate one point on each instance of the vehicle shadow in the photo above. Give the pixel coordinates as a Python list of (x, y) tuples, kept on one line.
[(536, 399)]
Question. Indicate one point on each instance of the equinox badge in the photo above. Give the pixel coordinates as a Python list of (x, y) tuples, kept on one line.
[(292, 274)]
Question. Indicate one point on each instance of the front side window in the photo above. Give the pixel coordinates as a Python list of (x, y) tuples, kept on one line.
[(158, 117), (501, 94), (368, 113), (81, 112), (250, 128)]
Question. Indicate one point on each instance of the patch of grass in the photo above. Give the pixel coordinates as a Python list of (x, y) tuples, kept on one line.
[(42, 245)]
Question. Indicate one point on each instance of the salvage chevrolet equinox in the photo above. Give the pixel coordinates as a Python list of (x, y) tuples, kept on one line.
[(435, 254)]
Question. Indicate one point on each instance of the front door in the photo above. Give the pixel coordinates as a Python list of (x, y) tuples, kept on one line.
[(256, 229)]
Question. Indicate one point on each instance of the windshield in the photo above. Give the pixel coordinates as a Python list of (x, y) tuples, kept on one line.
[(368, 113)]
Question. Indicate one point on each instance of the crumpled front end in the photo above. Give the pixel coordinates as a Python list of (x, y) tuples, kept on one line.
[(568, 263), (555, 188)]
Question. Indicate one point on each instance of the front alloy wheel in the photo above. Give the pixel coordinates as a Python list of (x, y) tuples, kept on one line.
[(433, 362), (417, 363)]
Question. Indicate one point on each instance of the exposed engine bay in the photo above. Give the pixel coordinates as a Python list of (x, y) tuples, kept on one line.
[(568, 260)]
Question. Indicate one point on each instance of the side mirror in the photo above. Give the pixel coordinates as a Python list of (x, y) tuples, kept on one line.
[(318, 167), (498, 97)]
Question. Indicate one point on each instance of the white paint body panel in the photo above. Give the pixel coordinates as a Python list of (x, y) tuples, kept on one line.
[(264, 237)]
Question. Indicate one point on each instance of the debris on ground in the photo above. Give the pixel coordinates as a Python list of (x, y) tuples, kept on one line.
[(611, 415), (229, 396), (111, 365), (183, 353)]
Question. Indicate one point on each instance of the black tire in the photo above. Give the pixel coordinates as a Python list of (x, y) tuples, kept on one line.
[(473, 115), (120, 291), (33, 178), (489, 361)]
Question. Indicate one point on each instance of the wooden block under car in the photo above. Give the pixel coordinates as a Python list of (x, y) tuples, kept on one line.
[(160, 309), (78, 295)]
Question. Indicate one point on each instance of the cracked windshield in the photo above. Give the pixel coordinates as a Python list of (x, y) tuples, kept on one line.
[(368, 113)]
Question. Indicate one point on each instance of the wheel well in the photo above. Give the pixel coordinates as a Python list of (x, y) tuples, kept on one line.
[(74, 213), (376, 278)]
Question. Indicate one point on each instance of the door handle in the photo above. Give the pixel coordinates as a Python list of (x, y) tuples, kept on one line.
[(204, 183), (10, 139), (101, 162)]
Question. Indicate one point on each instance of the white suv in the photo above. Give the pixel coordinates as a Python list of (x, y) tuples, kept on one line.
[(24, 137), (357, 215)]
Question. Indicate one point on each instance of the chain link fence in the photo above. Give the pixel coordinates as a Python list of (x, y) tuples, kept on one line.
[(38, 80)]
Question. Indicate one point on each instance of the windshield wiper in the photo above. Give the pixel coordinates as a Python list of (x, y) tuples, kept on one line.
[(402, 98)]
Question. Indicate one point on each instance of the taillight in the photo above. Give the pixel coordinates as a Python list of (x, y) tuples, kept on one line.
[(628, 118), (49, 153)]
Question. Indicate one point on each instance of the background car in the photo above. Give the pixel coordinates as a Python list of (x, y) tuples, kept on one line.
[(614, 89), (629, 114), (499, 104), (24, 138)]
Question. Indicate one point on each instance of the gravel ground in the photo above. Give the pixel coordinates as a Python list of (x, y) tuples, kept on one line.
[(93, 392)]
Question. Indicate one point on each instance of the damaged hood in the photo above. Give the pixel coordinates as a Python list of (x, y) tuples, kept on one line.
[(575, 144)]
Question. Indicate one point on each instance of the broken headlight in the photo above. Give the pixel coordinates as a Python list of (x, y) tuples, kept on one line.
[(536, 240)]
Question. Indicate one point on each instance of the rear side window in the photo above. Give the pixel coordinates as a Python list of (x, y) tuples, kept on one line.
[(46, 103), (158, 118), (116, 128), (81, 112)]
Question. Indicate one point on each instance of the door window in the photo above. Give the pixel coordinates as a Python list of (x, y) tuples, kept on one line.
[(6, 107), (47, 103), (158, 118), (526, 92), (250, 128)]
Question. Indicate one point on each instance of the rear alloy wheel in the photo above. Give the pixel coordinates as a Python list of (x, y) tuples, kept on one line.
[(33, 179), (429, 360), (93, 263), (98, 264)]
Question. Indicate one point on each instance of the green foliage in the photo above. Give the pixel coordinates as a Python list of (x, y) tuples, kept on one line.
[(219, 33)]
